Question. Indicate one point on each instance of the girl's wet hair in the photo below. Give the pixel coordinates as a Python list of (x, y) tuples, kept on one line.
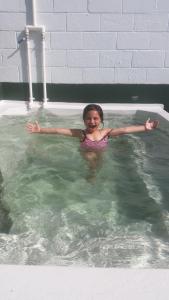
[(95, 107)]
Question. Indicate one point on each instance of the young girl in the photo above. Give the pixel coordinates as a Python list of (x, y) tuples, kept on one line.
[(93, 139)]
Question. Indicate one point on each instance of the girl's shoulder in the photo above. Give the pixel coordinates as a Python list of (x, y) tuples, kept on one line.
[(106, 131)]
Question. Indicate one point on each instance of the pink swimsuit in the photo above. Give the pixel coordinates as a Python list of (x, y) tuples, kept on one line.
[(88, 144)]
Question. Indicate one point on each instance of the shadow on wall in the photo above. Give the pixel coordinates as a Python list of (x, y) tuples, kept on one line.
[(35, 50), (35, 56)]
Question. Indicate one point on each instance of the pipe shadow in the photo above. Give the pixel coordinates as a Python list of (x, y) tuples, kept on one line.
[(35, 40)]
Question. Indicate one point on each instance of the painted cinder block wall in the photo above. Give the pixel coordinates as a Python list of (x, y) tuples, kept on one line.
[(88, 41)]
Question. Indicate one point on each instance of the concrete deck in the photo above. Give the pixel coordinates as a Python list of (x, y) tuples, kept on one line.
[(64, 283)]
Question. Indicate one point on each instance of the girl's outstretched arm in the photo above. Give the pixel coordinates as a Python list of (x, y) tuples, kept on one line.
[(35, 128), (149, 125)]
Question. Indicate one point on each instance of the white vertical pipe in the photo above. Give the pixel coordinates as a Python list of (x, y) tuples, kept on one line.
[(29, 66), (44, 66), (33, 12), (34, 27)]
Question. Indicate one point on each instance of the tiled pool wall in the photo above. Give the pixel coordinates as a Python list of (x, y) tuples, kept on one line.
[(90, 93)]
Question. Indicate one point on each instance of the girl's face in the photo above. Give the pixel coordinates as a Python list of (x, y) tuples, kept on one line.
[(92, 120)]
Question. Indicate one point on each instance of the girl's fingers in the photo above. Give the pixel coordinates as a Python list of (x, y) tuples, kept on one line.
[(151, 124), (33, 127), (28, 126), (156, 123)]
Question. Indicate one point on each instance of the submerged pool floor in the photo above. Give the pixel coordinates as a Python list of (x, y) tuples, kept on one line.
[(58, 216)]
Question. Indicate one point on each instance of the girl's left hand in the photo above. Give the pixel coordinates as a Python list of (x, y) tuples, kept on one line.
[(149, 125), (33, 127)]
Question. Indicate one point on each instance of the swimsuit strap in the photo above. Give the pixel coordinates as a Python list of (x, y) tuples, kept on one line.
[(83, 136), (86, 143)]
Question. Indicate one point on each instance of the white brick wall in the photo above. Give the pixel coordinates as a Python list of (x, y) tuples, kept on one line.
[(88, 41), (11, 6), (8, 40), (117, 22), (53, 22), (12, 21), (44, 5), (82, 59), (83, 22), (139, 6), (101, 6), (115, 59), (70, 6), (148, 59)]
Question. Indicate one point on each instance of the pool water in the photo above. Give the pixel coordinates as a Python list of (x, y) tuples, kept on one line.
[(54, 215)]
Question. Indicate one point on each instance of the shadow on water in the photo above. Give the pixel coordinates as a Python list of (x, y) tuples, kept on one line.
[(5, 221)]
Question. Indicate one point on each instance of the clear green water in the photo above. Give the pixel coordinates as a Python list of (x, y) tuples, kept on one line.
[(55, 215)]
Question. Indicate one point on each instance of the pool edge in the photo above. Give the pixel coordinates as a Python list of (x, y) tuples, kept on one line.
[(14, 107)]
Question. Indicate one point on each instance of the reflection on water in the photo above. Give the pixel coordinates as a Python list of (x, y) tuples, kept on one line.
[(118, 220)]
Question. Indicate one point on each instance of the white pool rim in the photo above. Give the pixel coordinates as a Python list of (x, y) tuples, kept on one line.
[(14, 107)]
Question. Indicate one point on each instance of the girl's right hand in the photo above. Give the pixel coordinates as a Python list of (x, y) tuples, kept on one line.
[(149, 125), (33, 128)]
